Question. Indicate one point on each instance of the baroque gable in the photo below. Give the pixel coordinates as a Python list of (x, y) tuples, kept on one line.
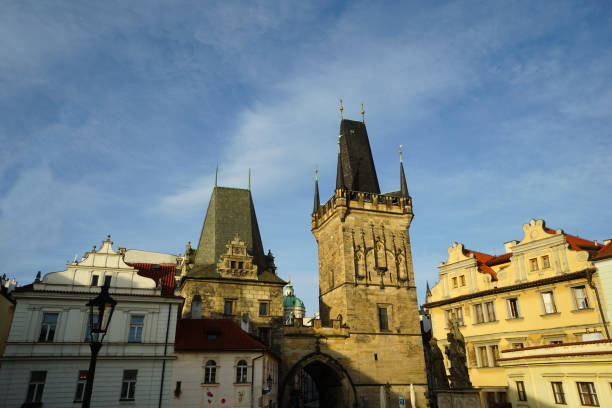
[(236, 261)]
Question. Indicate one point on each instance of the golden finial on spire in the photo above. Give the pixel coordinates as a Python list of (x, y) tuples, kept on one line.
[(341, 109), (400, 152), (362, 113), (316, 171)]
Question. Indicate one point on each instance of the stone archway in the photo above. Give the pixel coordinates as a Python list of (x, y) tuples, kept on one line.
[(334, 387)]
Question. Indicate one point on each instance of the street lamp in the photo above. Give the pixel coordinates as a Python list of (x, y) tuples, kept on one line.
[(269, 385), (101, 310)]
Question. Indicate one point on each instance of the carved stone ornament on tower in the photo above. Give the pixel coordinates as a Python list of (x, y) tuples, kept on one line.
[(236, 262)]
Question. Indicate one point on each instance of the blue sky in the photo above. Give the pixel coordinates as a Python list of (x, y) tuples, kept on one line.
[(114, 114)]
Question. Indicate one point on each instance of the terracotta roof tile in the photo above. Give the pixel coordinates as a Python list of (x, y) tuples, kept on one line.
[(481, 260), (213, 334), (164, 273), (576, 243), (604, 253)]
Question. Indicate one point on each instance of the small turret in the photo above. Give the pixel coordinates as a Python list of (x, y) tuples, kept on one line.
[(317, 202), (339, 172), (403, 185)]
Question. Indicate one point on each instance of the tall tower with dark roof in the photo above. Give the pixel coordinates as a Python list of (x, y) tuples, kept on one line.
[(366, 278)]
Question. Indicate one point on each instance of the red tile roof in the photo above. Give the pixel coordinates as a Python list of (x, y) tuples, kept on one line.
[(481, 261), (575, 243), (213, 334), (604, 253), (163, 273)]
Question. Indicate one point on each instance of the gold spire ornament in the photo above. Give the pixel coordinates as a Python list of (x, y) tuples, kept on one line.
[(362, 113), (316, 172), (400, 152), (341, 109)]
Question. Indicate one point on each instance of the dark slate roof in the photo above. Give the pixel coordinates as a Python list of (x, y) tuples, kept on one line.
[(213, 334), (357, 161), (230, 212)]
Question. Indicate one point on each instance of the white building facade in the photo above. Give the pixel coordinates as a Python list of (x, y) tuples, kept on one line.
[(220, 365), (47, 356)]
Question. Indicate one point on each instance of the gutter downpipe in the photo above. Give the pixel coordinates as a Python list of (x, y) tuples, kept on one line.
[(253, 379), (163, 374), (603, 318)]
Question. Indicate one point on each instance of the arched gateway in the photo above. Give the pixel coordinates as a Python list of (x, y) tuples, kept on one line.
[(318, 380)]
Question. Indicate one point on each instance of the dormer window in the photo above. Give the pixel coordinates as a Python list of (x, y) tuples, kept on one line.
[(212, 335)]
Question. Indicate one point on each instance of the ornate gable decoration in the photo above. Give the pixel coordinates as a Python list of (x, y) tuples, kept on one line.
[(456, 254), (535, 230), (236, 262)]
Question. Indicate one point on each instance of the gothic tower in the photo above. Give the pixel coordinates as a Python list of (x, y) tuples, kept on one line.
[(365, 271)]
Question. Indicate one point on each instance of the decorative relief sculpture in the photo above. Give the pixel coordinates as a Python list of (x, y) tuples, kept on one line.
[(455, 351)]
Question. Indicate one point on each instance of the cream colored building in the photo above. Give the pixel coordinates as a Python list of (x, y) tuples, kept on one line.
[(571, 374), (7, 309), (543, 290)]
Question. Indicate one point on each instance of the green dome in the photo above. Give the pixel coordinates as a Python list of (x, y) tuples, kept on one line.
[(292, 301)]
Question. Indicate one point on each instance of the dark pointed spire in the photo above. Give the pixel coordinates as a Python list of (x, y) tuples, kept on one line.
[(317, 202), (339, 172), (428, 291), (403, 185)]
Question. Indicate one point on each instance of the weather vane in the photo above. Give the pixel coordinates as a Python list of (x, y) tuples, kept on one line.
[(362, 113), (316, 171), (400, 152), (341, 109)]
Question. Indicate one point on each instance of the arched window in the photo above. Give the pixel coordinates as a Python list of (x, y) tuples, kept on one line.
[(241, 372), (210, 372), (196, 307)]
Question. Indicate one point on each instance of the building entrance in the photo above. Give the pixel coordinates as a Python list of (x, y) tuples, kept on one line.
[(318, 381)]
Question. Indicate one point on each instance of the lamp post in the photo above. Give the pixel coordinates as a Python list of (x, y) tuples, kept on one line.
[(100, 312)]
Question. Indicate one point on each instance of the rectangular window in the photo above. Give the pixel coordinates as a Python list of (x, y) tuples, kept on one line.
[(382, 319), (80, 388), (94, 280), (549, 302), (588, 396), (456, 313), (533, 262), (128, 385), (557, 388), (520, 390), (478, 314), (494, 354), (228, 307), (455, 282), (240, 265), (490, 309), (580, 297), (36, 386), (136, 325), (263, 308), (513, 309), (482, 354), (47, 328), (264, 334), (545, 262), (107, 280), (233, 264), (462, 280)]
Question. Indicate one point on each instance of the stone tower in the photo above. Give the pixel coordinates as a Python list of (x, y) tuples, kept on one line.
[(367, 345), (365, 262)]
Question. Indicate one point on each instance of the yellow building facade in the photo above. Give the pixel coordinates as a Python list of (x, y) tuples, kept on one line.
[(543, 290), (572, 374)]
